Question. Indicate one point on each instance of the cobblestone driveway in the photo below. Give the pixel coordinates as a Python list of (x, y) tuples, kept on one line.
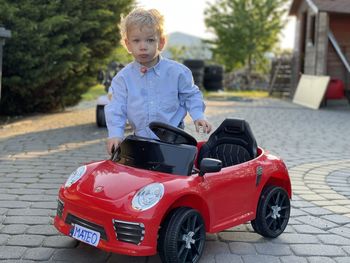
[(38, 153)]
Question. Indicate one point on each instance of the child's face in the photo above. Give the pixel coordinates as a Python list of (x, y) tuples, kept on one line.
[(144, 44)]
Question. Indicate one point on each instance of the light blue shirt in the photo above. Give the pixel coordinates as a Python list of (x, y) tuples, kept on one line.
[(165, 93)]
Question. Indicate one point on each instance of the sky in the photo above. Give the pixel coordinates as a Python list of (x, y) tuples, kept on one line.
[(187, 16)]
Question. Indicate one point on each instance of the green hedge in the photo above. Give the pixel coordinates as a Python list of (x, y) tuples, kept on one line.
[(56, 49)]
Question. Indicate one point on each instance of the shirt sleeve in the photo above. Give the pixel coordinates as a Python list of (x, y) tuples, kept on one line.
[(190, 95), (116, 109)]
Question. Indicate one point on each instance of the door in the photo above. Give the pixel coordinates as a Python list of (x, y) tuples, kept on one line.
[(230, 193)]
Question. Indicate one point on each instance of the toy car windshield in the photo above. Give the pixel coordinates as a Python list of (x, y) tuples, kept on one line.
[(156, 155)]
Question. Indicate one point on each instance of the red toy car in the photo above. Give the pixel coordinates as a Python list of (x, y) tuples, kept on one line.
[(164, 195)]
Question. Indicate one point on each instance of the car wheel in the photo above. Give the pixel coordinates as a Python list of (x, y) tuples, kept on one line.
[(100, 116), (273, 212), (255, 227), (182, 237)]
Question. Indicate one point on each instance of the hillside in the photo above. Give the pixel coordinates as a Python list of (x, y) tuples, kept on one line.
[(193, 46)]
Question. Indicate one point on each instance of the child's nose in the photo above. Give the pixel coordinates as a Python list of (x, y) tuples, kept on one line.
[(143, 45)]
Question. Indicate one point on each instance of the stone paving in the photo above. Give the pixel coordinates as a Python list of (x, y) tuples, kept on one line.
[(38, 153)]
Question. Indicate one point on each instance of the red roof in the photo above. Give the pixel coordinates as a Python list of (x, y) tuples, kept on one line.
[(330, 6)]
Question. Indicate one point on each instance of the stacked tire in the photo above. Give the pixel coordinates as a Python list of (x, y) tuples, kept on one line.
[(197, 68), (213, 77)]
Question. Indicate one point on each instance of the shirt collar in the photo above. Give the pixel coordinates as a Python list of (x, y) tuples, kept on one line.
[(155, 68)]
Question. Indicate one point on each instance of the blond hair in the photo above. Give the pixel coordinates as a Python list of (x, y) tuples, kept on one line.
[(141, 17)]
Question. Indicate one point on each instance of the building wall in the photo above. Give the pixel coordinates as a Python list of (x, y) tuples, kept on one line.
[(299, 45), (339, 25), (322, 44), (313, 53), (316, 44), (311, 43), (298, 32)]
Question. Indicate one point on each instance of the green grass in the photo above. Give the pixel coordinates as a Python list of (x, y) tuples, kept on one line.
[(247, 94), (94, 92)]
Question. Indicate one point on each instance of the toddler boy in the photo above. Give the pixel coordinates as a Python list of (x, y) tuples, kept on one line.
[(151, 88)]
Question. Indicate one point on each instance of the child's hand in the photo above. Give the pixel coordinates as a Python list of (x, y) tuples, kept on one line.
[(113, 143), (202, 124)]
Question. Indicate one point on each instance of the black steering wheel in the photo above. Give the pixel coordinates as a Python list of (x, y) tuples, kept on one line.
[(170, 134), (115, 154)]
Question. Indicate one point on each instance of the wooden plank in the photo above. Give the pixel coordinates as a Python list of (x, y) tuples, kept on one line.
[(311, 90)]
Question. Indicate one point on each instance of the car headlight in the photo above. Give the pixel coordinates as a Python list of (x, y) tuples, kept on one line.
[(148, 196), (75, 176)]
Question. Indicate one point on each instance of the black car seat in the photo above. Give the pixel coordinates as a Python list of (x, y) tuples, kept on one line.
[(232, 143)]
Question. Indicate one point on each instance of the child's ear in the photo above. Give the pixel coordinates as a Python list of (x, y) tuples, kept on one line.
[(126, 42), (162, 42)]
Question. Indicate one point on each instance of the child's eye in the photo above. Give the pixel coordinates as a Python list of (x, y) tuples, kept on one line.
[(135, 40), (151, 40)]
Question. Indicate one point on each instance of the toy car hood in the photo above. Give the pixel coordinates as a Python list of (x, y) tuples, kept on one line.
[(109, 181)]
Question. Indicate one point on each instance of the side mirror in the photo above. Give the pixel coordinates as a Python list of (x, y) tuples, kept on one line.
[(209, 165)]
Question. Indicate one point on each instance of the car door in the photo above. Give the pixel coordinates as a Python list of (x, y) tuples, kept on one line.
[(230, 193)]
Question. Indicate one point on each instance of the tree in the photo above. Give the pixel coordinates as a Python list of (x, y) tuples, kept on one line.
[(177, 52), (245, 30), (121, 55), (56, 50)]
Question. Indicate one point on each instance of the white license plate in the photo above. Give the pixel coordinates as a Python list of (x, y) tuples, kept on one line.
[(85, 235)]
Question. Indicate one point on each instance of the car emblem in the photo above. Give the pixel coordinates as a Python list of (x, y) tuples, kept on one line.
[(98, 189)]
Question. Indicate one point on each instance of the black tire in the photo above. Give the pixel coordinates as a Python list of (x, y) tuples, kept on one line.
[(214, 69), (213, 73), (213, 85), (182, 237), (100, 116), (198, 71), (162, 232), (194, 63), (255, 227), (198, 81), (213, 78), (273, 212), (198, 75)]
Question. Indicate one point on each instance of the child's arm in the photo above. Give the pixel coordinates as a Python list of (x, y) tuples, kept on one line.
[(192, 98), (115, 112)]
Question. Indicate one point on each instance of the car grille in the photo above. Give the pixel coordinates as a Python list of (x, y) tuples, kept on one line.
[(129, 232), (71, 219), (60, 207)]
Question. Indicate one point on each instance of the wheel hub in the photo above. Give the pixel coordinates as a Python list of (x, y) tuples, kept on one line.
[(275, 211), (188, 239)]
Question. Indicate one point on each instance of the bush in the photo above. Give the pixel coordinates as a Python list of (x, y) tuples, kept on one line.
[(55, 51)]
